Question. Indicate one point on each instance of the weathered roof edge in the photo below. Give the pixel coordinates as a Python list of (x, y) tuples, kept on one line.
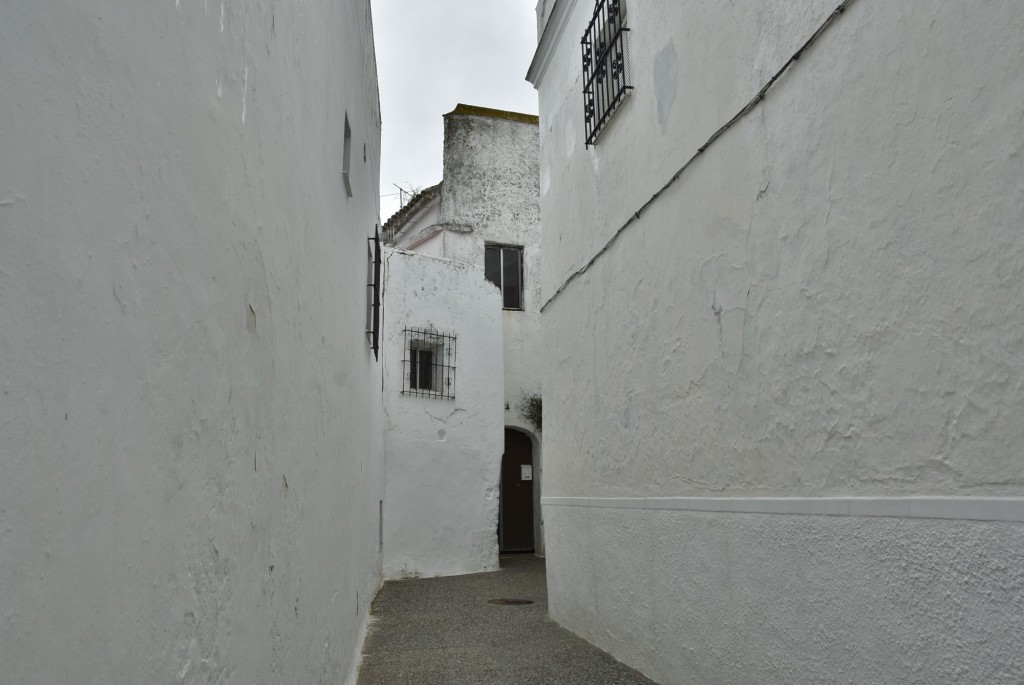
[(494, 113), (399, 218)]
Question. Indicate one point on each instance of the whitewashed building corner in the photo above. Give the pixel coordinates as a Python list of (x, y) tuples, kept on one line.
[(191, 428), (783, 324), (484, 213), (443, 383)]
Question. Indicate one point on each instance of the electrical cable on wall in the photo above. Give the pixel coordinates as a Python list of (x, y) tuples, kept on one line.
[(747, 108)]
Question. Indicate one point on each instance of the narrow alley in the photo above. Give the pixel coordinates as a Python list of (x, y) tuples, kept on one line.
[(448, 631), (312, 311)]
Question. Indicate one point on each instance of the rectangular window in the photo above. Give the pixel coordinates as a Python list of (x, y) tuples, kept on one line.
[(605, 79), (429, 363), (503, 266), (421, 363), (373, 291)]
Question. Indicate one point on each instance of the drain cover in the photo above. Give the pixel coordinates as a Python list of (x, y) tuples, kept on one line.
[(510, 601)]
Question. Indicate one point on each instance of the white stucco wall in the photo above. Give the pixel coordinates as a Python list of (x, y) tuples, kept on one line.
[(490, 195), (748, 599), (432, 246), (543, 11), (443, 457), (190, 420), (827, 302)]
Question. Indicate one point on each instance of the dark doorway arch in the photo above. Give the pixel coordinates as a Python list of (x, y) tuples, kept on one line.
[(515, 515)]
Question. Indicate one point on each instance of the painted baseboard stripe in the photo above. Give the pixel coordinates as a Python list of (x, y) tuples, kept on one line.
[(965, 508)]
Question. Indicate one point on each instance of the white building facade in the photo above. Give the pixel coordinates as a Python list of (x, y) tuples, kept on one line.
[(441, 330), (783, 339), (485, 213), (191, 431)]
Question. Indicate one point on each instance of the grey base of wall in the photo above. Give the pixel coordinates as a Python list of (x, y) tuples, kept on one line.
[(712, 597)]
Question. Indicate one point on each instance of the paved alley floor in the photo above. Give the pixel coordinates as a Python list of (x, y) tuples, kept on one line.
[(444, 631)]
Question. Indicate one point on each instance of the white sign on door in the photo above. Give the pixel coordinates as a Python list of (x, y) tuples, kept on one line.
[(526, 472)]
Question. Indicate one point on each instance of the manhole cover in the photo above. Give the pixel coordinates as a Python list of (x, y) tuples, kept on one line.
[(510, 601)]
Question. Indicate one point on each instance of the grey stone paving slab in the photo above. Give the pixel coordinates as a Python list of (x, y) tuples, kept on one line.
[(443, 631)]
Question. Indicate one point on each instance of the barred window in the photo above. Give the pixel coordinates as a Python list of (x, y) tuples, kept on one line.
[(373, 291), (429, 364), (605, 77)]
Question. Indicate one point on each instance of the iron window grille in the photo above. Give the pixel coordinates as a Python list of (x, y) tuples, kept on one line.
[(429, 364), (503, 266), (605, 78), (373, 292)]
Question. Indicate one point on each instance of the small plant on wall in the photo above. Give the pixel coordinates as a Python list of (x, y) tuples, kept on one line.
[(530, 407)]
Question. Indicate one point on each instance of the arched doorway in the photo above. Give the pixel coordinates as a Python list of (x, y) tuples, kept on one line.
[(515, 515)]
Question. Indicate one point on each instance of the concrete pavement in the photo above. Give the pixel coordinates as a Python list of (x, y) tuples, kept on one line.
[(445, 631)]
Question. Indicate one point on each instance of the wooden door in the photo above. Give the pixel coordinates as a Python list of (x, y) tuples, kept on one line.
[(516, 520)]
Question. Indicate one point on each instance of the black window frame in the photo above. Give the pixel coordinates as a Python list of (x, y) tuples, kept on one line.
[(501, 249), (422, 367)]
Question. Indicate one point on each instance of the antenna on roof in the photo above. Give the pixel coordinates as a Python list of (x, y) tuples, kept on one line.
[(401, 195), (406, 194)]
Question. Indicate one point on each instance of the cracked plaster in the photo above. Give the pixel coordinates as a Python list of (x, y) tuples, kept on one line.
[(837, 296), (443, 457)]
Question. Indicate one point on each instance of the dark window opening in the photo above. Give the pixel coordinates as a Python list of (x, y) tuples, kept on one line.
[(503, 266), (421, 365), (429, 363), (605, 78), (346, 159)]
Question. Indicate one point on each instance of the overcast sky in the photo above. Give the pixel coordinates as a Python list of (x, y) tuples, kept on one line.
[(432, 56)]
